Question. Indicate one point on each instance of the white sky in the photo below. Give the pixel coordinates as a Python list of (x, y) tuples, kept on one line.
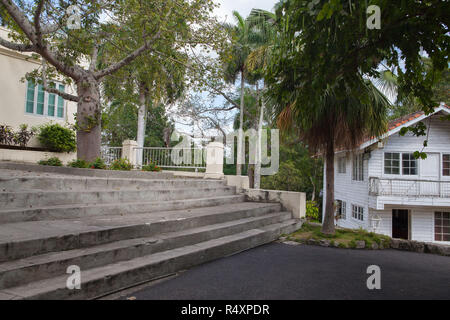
[(242, 6)]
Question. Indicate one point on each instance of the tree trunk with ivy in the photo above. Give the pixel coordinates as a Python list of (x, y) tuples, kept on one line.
[(88, 119)]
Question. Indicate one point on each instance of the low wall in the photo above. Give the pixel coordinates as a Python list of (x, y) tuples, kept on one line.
[(29, 156), (292, 201)]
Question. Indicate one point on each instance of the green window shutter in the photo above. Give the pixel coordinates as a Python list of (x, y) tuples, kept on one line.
[(30, 97), (40, 100), (61, 102), (51, 102)]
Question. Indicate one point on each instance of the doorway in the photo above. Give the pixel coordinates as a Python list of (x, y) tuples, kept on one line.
[(400, 224)]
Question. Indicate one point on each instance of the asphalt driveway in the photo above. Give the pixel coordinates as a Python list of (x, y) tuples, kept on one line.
[(282, 271)]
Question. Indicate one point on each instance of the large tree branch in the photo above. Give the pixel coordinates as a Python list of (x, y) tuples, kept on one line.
[(129, 58), (37, 23), (17, 46), (64, 95), (29, 30)]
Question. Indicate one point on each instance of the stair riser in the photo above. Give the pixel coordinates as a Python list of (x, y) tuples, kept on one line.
[(75, 212), (72, 184), (41, 199), (36, 272), (121, 280), (16, 250)]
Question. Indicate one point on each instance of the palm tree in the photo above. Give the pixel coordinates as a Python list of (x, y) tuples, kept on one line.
[(340, 118), (262, 22), (244, 41)]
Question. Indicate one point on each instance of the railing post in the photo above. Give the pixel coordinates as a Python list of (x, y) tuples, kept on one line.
[(129, 151), (214, 161)]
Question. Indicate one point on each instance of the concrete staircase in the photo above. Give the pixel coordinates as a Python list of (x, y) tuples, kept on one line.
[(120, 231)]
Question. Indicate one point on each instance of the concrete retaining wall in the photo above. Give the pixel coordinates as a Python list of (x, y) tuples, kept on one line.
[(29, 156)]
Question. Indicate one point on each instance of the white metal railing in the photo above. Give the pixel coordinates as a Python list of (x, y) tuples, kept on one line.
[(188, 158), (409, 188), (109, 154)]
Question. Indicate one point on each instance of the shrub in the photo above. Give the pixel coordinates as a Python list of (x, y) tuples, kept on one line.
[(57, 138), (6, 135), (121, 164), (97, 164), (23, 136), (51, 162), (151, 166), (312, 211), (79, 163)]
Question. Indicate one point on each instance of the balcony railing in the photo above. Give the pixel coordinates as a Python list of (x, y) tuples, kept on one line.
[(409, 188)]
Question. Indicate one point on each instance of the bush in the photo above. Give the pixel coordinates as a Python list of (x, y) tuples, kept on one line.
[(23, 136), (121, 164), (57, 138), (312, 211), (151, 166), (79, 163), (6, 135), (51, 162), (97, 164)]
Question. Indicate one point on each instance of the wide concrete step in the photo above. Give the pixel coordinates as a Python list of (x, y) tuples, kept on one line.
[(81, 210), (26, 199), (84, 172), (20, 272), (68, 183), (103, 280), (21, 240)]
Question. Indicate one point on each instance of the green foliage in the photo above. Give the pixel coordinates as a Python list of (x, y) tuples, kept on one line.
[(78, 163), (298, 171), (23, 136), (57, 138), (120, 123), (151, 166), (312, 210), (6, 135), (54, 161), (98, 163), (121, 164)]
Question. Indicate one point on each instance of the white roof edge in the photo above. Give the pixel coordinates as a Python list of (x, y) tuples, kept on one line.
[(407, 124)]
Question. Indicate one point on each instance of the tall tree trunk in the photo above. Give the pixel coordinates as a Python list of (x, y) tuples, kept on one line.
[(328, 219), (313, 196), (258, 149), (141, 123), (240, 145), (88, 119)]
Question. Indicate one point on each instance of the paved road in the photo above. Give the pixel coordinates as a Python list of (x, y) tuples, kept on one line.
[(282, 271)]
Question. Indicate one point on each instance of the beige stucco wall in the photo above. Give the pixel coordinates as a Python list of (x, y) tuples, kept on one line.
[(13, 67)]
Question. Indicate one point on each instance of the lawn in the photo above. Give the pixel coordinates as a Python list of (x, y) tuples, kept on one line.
[(343, 238)]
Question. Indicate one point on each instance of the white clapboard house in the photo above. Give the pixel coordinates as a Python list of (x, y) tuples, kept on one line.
[(381, 185)]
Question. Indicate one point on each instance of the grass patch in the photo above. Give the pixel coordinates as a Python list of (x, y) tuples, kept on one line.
[(344, 238)]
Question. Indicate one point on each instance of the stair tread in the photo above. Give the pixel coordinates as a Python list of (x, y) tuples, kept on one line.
[(154, 189), (85, 205), (32, 230), (62, 255), (47, 285)]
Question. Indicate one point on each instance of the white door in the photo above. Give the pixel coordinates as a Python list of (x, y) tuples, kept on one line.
[(429, 169)]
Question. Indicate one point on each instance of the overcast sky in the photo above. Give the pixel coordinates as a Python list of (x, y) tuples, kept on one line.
[(242, 6)]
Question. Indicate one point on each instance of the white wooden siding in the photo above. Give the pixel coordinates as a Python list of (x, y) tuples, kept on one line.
[(357, 192)]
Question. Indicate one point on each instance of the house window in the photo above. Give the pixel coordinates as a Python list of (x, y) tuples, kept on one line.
[(391, 163), (358, 212), (341, 209), (40, 102), (409, 164), (446, 165), (442, 226), (342, 165), (358, 168)]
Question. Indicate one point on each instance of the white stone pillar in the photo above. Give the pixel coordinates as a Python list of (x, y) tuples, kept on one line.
[(214, 161), (129, 151)]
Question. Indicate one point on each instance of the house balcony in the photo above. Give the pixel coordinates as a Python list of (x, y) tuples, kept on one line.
[(407, 192)]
